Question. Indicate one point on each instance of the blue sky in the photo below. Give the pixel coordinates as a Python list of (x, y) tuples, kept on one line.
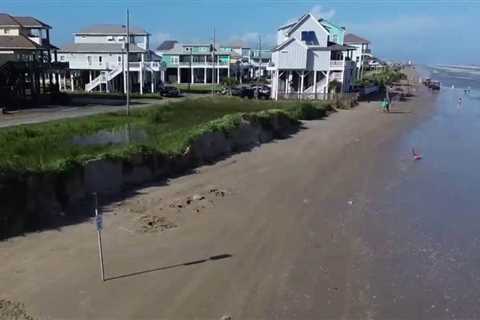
[(426, 31)]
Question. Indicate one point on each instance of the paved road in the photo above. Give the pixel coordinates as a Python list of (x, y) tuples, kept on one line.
[(38, 115)]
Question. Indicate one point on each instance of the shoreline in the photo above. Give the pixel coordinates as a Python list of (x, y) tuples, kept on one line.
[(269, 207)]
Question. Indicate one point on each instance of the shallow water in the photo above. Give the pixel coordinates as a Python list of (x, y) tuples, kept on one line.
[(430, 217), (118, 136)]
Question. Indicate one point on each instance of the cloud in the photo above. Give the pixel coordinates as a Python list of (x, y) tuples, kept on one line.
[(319, 11), (251, 39), (159, 37)]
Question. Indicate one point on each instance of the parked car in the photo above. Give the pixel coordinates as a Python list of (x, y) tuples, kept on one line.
[(434, 85), (263, 91), (169, 91), (243, 92)]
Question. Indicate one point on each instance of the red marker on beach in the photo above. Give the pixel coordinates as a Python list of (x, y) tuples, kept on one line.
[(416, 156)]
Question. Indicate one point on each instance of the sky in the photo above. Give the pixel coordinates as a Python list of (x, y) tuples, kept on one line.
[(424, 31)]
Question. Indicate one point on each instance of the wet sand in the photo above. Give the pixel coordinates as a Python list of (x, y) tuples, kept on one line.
[(336, 222)]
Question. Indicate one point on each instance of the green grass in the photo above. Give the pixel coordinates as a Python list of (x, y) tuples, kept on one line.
[(168, 128)]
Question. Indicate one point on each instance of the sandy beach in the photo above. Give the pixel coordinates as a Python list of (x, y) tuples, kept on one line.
[(288, 230)]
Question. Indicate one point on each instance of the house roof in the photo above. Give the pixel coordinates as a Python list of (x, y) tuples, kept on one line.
[(354, 39), (17, 43), (99, 48), (31, 22), (8, 21), (111, 29), (283, 44), (167, 45)]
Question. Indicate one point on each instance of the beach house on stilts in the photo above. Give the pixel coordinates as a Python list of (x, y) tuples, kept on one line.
[(309, 56)]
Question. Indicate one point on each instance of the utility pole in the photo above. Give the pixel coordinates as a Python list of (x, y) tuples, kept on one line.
[(213, 63), (127, 84), (259, 64)]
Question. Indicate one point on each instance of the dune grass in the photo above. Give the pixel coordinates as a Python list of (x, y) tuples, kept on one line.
[(168, 129)]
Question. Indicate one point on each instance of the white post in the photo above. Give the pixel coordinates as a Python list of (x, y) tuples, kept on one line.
[(327, 85), (315, 84), (99, 225), (205, 75), (218, 75), (192, 75), (90, 75), (141, 75), (72, 82), (228, 71), (302, 80), (124, 74), (152, 82), (178, 75)]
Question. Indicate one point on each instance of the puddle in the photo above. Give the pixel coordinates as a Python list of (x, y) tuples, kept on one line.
[(122, 135)]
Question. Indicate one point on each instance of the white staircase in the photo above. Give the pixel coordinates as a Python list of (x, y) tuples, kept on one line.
[(103, 78), (320, 89)]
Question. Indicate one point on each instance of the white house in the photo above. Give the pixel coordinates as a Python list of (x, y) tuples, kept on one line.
[(361, 53), (97, 60), (310, 54)]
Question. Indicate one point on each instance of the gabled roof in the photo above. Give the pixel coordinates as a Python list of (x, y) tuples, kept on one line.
[(283, 44), (17, 43), (7, 20), (111, 29), (99, 48), (167, 45), (287, 42), (302, 20), (354, 39), (31, 22)]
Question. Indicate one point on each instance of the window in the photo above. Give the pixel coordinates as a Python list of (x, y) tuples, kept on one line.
[(89, 59), (100, 59), (119, 58), (110, 39), (62, 58), (309, 37)]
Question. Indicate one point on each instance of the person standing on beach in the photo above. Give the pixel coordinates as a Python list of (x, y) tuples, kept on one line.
[(386, 105), (460, 102)]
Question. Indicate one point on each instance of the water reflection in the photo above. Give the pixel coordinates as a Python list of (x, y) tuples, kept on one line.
[(120, 135)]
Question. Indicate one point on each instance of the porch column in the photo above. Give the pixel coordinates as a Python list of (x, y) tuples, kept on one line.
[(302, 82), (228, 71), (72, 82), (90, 75), (327, 85), (192, 75), (124, 81), (178, 75), (315, 84), (205, 75), (218, 75), (141, 75), (152, 82)]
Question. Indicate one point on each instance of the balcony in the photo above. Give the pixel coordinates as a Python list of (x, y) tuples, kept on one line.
[(340, 65)]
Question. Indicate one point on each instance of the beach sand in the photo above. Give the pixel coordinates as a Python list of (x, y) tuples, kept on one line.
[(268, 234)]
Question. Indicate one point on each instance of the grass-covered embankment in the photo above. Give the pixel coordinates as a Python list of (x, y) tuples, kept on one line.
[(166, 129)]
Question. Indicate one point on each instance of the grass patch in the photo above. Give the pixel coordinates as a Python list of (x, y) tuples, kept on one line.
[(168, 129)]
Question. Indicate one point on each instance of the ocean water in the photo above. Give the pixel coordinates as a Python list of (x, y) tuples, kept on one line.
[(432, 209), (454, 76)]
